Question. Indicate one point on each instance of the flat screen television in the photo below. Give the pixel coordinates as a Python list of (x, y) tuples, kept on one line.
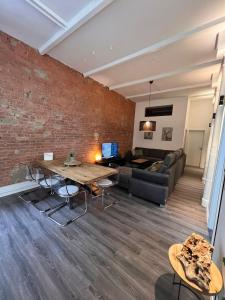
[(110, 150)]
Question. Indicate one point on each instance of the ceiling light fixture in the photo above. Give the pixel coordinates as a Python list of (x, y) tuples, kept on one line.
[(149, 125)]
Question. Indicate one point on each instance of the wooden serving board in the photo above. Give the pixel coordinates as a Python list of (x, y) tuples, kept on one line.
[(72, 164), (216, 283), (86, 173)]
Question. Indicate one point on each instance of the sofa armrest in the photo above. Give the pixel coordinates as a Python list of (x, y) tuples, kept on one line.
[(153, 177)]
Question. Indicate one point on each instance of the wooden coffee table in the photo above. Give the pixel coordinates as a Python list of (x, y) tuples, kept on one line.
[(140, 163), (216, 283)]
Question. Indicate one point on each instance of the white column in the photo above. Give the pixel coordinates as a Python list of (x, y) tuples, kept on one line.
[(213, 151), (208, 153), (219, 164), (217, 179)]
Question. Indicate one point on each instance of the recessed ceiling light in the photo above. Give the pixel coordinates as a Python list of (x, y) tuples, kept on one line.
[(93, 52)]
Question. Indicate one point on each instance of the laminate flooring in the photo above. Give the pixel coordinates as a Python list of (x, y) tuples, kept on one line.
[(116, 254)]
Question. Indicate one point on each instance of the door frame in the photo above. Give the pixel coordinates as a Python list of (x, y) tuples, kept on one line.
[(187, 144)]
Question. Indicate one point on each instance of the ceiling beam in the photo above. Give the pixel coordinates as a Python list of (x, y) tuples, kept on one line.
[(92, 9), (180, 88), (47, 12), (157, 46), (205, 95), (168, 74), (202, 95)]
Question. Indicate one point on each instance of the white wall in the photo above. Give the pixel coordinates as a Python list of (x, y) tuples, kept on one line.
[(210, 194), (217, 212), (219, 251), (215, 184), (216, 163), (199, 116), (177, 121)]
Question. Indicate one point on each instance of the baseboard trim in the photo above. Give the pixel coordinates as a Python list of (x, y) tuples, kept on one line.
[(16, 188)]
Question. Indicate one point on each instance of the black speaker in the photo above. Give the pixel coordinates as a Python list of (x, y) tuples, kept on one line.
[(221, 101)]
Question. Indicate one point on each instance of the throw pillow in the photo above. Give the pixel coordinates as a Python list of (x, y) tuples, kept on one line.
[(169, 159), (155, 167), (138, 152), (163, 169)]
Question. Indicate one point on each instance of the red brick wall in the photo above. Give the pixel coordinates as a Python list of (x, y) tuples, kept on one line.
[(47, 106)]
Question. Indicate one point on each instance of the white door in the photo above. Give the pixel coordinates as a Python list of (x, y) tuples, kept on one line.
[(195, 144)]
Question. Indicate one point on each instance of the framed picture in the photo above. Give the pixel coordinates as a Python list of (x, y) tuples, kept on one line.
[(148, 135), (167, 133), (142, 126)]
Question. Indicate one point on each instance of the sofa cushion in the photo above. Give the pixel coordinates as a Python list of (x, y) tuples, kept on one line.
[(177, 154), (158, 153), (153, 177), (138, 152), (163, 169), (168, 162), (181, 151), (151, 152)]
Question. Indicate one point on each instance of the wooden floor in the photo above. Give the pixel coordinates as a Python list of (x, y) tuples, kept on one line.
[(118, 254)]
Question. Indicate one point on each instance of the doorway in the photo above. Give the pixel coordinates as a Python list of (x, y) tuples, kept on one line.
[(195, 139)]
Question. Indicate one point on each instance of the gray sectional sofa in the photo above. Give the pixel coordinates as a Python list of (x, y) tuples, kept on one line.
[(154, 186), (152, 155)]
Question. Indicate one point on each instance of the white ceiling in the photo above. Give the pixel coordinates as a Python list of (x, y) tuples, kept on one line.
[(125, 43), (66, 9)]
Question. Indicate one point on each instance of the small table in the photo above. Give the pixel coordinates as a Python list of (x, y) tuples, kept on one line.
[(140, 162), (216, 283)]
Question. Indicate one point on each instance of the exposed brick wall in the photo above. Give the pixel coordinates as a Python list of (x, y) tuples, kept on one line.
[(47, 106)]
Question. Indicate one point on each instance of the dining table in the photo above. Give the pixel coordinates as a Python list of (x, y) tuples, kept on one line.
[(85, 173)]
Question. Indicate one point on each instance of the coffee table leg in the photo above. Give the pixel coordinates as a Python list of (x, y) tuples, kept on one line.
[(177, 283), (181, 284), (178, 297), (174, 278)]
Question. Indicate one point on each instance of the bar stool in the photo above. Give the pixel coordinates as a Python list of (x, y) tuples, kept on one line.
[(104, 185), (68, 192), (45, 183), (32, 175), (48, 184)]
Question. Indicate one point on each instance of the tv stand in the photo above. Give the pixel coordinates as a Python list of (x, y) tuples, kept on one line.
[(112, 162)]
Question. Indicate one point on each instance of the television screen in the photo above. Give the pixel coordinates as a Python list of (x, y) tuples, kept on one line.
[(110, 150)]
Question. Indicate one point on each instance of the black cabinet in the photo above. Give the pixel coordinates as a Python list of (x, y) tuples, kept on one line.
[(111, 162)]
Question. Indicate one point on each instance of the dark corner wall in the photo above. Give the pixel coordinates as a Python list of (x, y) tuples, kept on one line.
[(46, 106)]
